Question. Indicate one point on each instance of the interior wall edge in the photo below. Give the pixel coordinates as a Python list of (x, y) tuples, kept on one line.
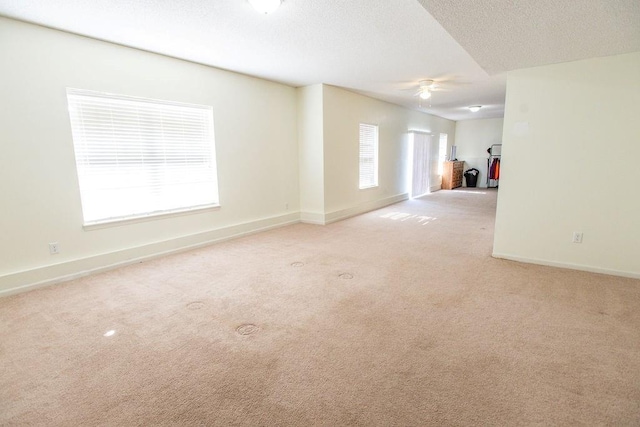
[(568, 266), (315, 218), (23, 281)]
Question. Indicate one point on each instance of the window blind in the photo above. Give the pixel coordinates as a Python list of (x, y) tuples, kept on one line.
[(137, 157), (368, 155)]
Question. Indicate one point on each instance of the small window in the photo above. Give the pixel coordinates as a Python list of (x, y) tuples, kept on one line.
[(368, 156), (137, 157), (442, 153)]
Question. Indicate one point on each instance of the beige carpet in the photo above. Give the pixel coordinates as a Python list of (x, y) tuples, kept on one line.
[(398, 317)]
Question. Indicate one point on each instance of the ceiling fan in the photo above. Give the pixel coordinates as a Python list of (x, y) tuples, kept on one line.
[(425, 89)]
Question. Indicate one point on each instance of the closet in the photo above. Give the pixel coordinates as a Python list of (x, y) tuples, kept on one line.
[(493, 165)]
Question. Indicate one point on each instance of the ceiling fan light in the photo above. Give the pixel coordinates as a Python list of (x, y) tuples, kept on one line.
[(475, 108), (425, 94), (265, 6)]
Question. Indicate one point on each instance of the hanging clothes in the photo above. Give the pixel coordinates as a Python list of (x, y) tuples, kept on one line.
[(493, 165), (494, 170)]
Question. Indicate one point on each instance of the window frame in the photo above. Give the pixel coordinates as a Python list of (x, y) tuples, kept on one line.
[(186, 155), (369, 181)]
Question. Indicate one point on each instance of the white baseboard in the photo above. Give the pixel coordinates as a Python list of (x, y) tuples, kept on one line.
[(570, 266), (312, 218), (327, 218), (435, 188), (26, 280), (364, 207)]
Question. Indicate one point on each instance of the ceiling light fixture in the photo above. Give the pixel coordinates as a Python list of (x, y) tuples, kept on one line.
[(265, 6), (475, 108), (426, 86)]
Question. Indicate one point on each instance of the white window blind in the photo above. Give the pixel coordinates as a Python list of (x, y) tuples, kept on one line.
[(137, 157), (368, 155)]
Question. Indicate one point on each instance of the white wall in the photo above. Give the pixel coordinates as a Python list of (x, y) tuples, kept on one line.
[(256, 141), (571, 146), (264, 131), (311, 153), (473, 137), (343, 112)]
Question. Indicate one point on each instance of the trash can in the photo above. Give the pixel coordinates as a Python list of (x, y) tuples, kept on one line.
[(471, 177)]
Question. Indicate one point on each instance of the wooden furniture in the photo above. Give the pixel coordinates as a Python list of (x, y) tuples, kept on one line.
[(452, 175)]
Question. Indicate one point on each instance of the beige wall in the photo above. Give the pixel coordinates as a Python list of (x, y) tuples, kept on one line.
[(311, 152), (256, 142), (571, 146), (343, 112), (283, 154), (473, 137)]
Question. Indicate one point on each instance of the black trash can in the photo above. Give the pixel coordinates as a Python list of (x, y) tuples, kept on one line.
[(471, 176)]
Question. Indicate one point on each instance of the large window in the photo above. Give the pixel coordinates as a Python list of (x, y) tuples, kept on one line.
[(368, 156), (138, 157)]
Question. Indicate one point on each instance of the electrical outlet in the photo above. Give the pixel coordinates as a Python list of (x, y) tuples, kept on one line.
[(577, 237), (54, 248)]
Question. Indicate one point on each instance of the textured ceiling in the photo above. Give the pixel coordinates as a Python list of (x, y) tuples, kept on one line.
[(504, 35), (380, 48)]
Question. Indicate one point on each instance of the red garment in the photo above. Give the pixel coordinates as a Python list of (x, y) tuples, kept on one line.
[(494, 170)]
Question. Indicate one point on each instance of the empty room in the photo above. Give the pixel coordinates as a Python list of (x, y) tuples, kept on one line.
[(305, 213)]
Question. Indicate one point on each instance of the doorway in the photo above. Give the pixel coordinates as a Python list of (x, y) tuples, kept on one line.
[(420, 163)]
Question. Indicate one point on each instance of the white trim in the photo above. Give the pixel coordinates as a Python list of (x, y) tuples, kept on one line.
[(27, 280), (98, 225), (327, 218), (364, 207), (316, 218), (568, 265)]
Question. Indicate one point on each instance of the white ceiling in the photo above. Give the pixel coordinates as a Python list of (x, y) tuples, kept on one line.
[(379, 48)]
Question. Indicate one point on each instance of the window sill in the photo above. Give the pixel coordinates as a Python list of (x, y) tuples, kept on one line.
[(369, 188), (116, 222)]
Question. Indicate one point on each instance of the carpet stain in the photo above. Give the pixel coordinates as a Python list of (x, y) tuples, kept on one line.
[(346, 276), (507, 344), (195, 305), (247, 329), (297, 264)]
